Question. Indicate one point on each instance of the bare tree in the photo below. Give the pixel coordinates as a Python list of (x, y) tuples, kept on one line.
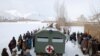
[(61, 13), (95, 13), (96, 17), (82, 18), (94, 27)]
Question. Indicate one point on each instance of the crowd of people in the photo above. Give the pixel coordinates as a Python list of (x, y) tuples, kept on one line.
[(82, 39), (85, 41), (24, 44), (27, 41)]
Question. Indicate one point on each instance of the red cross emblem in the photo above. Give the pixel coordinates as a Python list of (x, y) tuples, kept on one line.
[(49, 48)]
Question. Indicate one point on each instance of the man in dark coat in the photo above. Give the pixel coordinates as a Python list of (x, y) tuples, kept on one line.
[(73, 37), (24, 36), (28, 43), (33, 40), (12, 44), (4, 52), (20, 42), (28, 35), (94, 46)]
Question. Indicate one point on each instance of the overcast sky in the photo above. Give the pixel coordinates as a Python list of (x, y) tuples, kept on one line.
[(46, 8)]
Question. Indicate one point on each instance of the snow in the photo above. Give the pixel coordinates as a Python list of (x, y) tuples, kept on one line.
[(76, 29), (72, 49), (8, 30)]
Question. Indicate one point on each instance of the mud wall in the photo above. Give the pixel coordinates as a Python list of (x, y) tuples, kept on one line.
[(94, 30)]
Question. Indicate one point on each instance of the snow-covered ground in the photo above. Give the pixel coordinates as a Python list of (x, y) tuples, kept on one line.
[(76, 29), (71, 49), (8, 30)]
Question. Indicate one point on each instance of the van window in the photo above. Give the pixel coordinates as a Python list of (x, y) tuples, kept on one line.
[(42, 39), (57, 39)]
